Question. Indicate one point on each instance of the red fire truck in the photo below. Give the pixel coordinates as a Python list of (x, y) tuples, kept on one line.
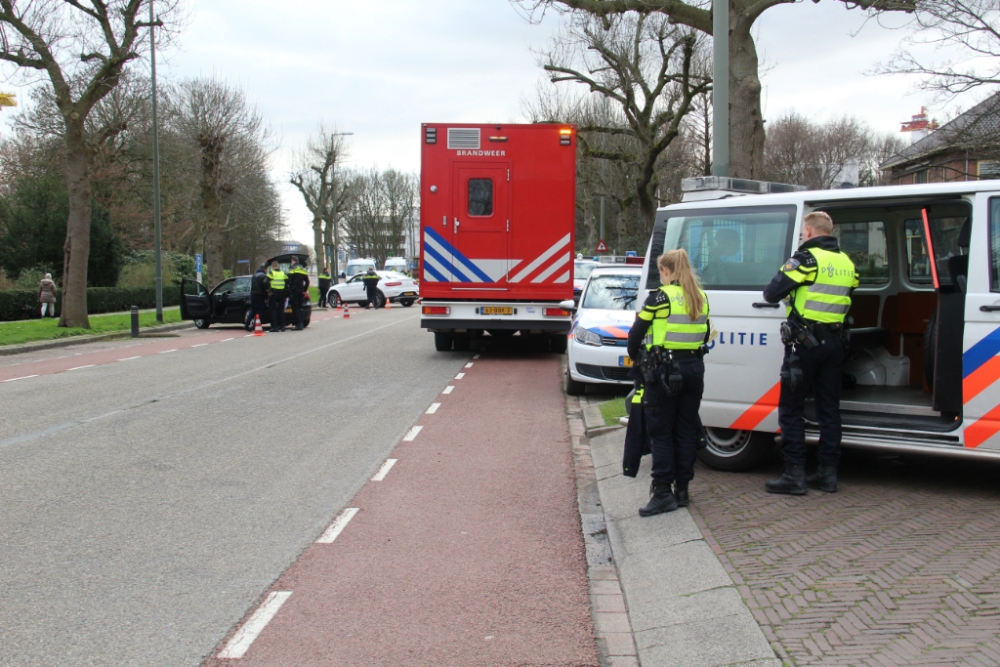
[(497, 216)]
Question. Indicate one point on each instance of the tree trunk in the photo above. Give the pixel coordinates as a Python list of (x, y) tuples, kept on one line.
[(77, 247), (318, 241), (746, 122)]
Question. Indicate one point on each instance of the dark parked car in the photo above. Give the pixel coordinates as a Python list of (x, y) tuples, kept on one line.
[(228, 303)]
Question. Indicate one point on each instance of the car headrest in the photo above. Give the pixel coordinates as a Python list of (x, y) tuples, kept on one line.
[(965, 234)]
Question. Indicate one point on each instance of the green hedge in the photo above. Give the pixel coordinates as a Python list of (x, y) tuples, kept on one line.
[(99, 300)]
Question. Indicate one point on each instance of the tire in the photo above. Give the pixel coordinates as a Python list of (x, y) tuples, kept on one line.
[(930, 344), (558, 343), (337, 301), (442, 342), (406, 302), (735, 451), (379, 299), (461, 342), (305, 322), (202, 324), (574, 388), (247, 323)]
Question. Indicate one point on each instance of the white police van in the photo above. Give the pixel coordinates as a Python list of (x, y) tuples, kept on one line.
[(922, 367)]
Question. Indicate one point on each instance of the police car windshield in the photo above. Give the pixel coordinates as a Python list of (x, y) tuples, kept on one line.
[(612, 292), (582, 270)]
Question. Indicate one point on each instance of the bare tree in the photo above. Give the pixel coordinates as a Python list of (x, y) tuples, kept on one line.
[(382, 204), (222, 123), (647, 71), (81, 47), (315, 178), (746, 137)]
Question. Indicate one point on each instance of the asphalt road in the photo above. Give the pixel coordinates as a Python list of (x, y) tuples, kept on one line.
[(145, 505)]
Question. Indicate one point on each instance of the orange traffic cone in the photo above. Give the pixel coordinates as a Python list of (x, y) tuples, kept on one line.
[(388, 303), (347, 313), (257, 330)]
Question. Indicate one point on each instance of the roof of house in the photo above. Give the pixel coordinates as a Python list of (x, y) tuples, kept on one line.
[(966, 130)]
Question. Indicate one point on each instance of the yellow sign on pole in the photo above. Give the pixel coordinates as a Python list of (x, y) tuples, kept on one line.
[(8, 100)]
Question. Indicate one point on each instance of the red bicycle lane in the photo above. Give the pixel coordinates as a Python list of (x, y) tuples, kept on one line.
[(464, 549)]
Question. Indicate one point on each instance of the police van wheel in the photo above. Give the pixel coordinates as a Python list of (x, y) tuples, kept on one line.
[(558, 343), (735, 451), (442, 342), (574, 388), (202, 324)]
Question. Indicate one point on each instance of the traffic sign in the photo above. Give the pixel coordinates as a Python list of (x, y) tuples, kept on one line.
[(631, 253), (601, 246)]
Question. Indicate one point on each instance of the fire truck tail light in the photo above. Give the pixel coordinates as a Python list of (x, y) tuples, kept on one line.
[(565, 136), (437, 310), (556, 312), (430, 135)]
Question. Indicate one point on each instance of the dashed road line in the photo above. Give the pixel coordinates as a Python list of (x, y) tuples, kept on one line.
[(79, 367), (434, 408), (168, 351), (469, 365), (384, 470), (23, 377), (475, 356), (199, 345), (447, 390), (131, 358), (460, 376), (226, 340), (411, 435), (337, 526), (241, 641)]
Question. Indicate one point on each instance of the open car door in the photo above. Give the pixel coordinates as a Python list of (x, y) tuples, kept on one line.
[(196, 302)]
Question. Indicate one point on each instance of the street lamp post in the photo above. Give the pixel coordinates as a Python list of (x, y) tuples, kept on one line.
[(157, 231), (720, 87)]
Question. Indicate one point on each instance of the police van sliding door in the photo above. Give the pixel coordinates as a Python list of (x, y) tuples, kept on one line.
[(480, 224), (736, 251)]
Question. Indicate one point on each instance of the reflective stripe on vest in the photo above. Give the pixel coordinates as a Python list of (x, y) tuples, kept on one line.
[(673, 328), (829, 298), (277, 280)]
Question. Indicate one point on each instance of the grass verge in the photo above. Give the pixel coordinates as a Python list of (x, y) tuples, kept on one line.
[(613, 410), (31, 331)]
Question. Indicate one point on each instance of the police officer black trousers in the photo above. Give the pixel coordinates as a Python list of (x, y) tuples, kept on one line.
[(673, 426), (296, 302), (277, 303)]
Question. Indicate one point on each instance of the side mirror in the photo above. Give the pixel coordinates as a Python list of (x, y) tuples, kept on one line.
[(568, 304)]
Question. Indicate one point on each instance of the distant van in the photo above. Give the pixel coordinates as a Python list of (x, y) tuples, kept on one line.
[(399, 264), (356, 266), (922, 372)]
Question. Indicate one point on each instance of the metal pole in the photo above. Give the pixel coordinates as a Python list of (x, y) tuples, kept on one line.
[(157, 231), (602, 219), (720, 87)]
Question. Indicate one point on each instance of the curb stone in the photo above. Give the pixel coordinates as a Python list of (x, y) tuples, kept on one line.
[(22, 348)]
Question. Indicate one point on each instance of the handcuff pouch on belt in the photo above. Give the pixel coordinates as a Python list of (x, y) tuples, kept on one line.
[(658, 366)]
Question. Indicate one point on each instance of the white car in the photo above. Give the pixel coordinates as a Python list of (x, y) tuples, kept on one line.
[(581, 271), (396, 287), (598, 339)]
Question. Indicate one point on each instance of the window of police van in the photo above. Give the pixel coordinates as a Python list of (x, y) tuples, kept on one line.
[(731, 249), (867, 246)]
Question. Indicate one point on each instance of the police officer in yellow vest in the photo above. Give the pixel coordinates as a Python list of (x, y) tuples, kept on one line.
[(674, 319), (817, 281), (298, 284), (276, 284)]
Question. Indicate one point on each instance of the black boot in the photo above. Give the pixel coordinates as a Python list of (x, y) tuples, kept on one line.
[(824, 479), (792, 481), (660, 500), (681, 493)]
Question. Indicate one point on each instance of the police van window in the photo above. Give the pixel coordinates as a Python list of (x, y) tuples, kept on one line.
[(918, 268), (865, 243), (612, 292), (731, 249), (995, 244), (946, 223), (480, 196)]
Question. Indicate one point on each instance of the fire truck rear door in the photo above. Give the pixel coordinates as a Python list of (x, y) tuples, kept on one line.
[(481, 222)]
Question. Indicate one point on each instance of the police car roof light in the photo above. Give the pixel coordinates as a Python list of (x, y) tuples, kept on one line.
[(741, 185)]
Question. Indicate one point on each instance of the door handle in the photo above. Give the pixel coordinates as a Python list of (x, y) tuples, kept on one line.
[(989, 309), (765, 304), (456, 224)]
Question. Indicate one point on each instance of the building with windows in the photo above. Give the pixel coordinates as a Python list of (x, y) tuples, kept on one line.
[(964, 149)]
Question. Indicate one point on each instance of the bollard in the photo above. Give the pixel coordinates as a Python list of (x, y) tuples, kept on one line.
[(135, 321)]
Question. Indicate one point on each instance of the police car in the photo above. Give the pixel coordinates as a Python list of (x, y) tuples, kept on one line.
[(597, 350), (922, 369)]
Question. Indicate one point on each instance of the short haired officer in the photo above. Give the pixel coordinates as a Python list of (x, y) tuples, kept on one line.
[(371, 288), (817, 282), (298, 284), (277, 285)]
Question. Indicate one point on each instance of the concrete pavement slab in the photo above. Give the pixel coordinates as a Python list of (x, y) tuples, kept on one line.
[(683, 607)]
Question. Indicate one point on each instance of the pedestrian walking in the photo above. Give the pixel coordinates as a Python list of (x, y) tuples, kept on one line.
[(258, 294), (47, 295), (324, 287), (818, 281), (276, 285), (298, 283), (371, 288), (668, 340)]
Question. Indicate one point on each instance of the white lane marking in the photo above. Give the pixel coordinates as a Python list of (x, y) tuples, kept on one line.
[(411, 435), (168, 351), (23, 377), (434, 408), (469, 365), (460, 376), (384, 470), (447, 390), (128, 358), (225, 340), (476, 356), (241, 641), (337, 526), (200, 345), (79, 367)]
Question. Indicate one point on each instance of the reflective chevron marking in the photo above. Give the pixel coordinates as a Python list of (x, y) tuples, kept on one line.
[(541, 259)]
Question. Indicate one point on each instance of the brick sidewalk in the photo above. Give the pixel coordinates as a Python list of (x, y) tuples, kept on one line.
[(901, 567)]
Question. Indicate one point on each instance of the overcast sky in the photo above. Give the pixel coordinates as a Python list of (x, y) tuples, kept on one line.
[(378, 68)]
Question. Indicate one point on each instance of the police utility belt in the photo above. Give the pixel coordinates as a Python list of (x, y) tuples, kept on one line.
[(659, 365), (797, 331)]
